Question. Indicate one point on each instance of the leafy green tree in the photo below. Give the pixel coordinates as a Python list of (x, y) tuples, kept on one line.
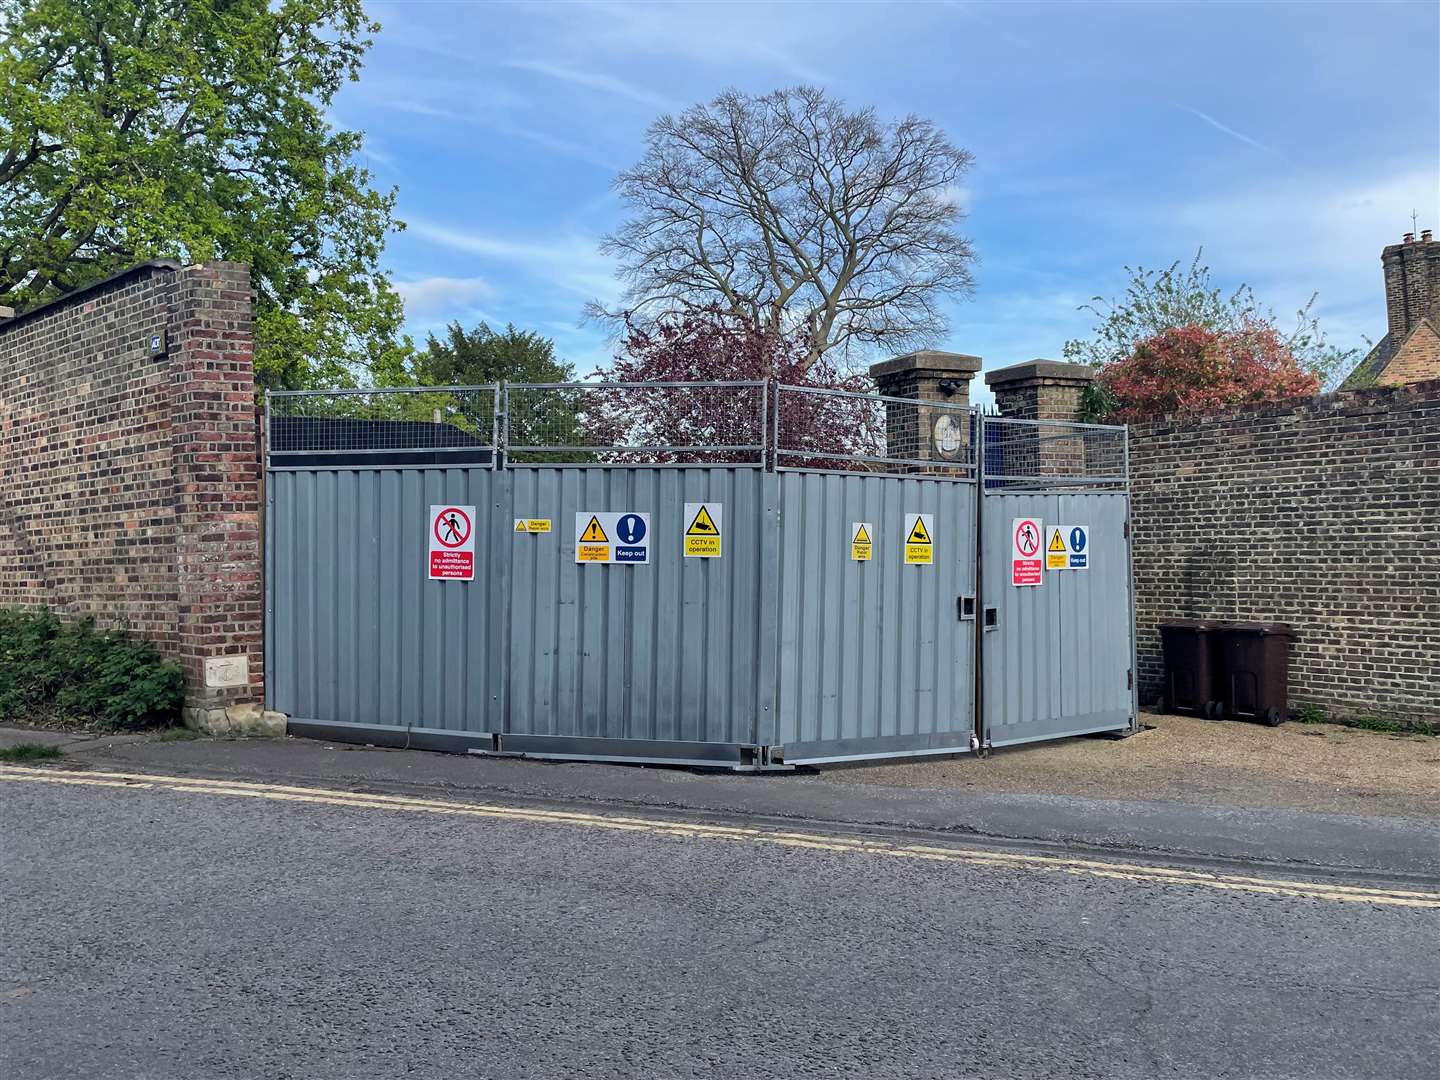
[(197, 129), (480, 356), (1156, 301)]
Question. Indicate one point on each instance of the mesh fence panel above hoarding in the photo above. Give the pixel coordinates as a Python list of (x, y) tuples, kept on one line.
[(669, 423), (817, 428), (457, 421), (1038, 455)]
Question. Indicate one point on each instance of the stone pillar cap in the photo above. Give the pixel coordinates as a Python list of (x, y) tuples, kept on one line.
[(1040, 369), (943, 363)]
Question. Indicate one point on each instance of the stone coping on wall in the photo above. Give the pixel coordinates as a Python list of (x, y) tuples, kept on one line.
[(927, 360), (1039, 369)]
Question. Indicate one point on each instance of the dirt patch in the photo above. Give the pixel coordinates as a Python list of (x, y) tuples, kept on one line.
[(1323, 767)]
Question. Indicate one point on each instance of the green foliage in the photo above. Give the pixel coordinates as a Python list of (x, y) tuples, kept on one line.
[(1310, 714), (1159, 300), (1377, 723), (196, 129), (74, 672), (481, 356), (1098, 403), (30, 751)]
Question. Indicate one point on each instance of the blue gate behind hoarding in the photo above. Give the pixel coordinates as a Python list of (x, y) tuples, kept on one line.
[(787, 648)]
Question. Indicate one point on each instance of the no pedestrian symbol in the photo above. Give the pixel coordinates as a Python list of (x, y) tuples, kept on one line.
[(452, 543), (703, 533), (919, 542), (1025, 562)]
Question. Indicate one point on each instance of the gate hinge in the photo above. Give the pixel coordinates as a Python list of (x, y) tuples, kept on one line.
[(1129, 678), (1127, 528)]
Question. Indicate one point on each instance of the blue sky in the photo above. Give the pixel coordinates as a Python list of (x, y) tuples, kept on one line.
[(1292, 141)]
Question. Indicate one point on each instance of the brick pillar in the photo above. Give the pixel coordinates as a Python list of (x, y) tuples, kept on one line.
[(914, 431), (220, 609), (1041, 390)]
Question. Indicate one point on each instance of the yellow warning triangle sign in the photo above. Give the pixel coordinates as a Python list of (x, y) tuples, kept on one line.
[(862, 536), (594, 534), (1057, 542), (702, 525), (520, 525), (918, 535)]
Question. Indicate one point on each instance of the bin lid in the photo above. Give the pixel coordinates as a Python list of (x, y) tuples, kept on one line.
[(1190, 624), (1261, 628)]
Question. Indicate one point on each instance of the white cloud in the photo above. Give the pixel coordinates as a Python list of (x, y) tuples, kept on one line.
[(1218, 126), (958, 196), (572, 262), (1296, 236), (723, 36), (442, 298), (593, 80)]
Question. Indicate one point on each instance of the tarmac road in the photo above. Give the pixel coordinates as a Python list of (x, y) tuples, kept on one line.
[(196, 928)]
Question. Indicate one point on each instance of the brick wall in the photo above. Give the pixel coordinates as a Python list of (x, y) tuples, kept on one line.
[(131, 487), (1323, 514)]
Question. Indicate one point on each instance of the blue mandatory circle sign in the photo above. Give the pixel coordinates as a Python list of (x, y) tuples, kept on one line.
[(631, 528), (1077, 539)]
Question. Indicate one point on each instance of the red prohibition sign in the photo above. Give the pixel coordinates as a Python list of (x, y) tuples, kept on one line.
[(452, 527), (1027, 538)]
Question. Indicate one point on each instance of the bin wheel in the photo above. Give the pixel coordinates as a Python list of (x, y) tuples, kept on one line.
[(1274, 717), (1214, 710)]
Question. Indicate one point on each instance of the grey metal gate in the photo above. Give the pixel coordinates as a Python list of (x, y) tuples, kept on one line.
[(793, 646), (1058, 655), (876, 658)]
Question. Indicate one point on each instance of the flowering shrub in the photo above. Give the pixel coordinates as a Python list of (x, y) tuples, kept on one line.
[(1194, 369)]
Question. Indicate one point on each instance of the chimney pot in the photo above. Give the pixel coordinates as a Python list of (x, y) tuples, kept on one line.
[(1425, 235), (1409, 238)]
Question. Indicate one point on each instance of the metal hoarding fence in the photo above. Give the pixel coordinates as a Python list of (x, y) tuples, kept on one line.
[(793, 642)]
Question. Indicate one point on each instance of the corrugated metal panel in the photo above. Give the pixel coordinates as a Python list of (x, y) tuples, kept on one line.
[(873, 650), (783, 641), (1057, 663), (359, 634), (676, 650)]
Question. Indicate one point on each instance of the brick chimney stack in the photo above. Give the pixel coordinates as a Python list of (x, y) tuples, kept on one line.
[(1412, 284)]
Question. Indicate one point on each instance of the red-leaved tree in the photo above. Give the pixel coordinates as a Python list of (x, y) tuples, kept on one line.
[(1194, 369), (710, 345)]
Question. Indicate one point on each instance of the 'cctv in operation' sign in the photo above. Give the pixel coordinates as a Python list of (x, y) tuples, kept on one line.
[(452, 543)]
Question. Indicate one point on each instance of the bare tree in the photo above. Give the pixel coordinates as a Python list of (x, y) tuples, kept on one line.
[(794, 213)]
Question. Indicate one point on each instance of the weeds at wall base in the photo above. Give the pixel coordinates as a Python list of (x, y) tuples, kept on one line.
[(25, 752)]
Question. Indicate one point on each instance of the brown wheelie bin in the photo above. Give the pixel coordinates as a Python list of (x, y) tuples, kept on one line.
[(1192, 668), (1256, 671)]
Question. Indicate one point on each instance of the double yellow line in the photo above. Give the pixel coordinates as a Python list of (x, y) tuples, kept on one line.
[(1155, 875)]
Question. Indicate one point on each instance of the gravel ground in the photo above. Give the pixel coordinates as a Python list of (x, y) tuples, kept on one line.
[(1323, 767)]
